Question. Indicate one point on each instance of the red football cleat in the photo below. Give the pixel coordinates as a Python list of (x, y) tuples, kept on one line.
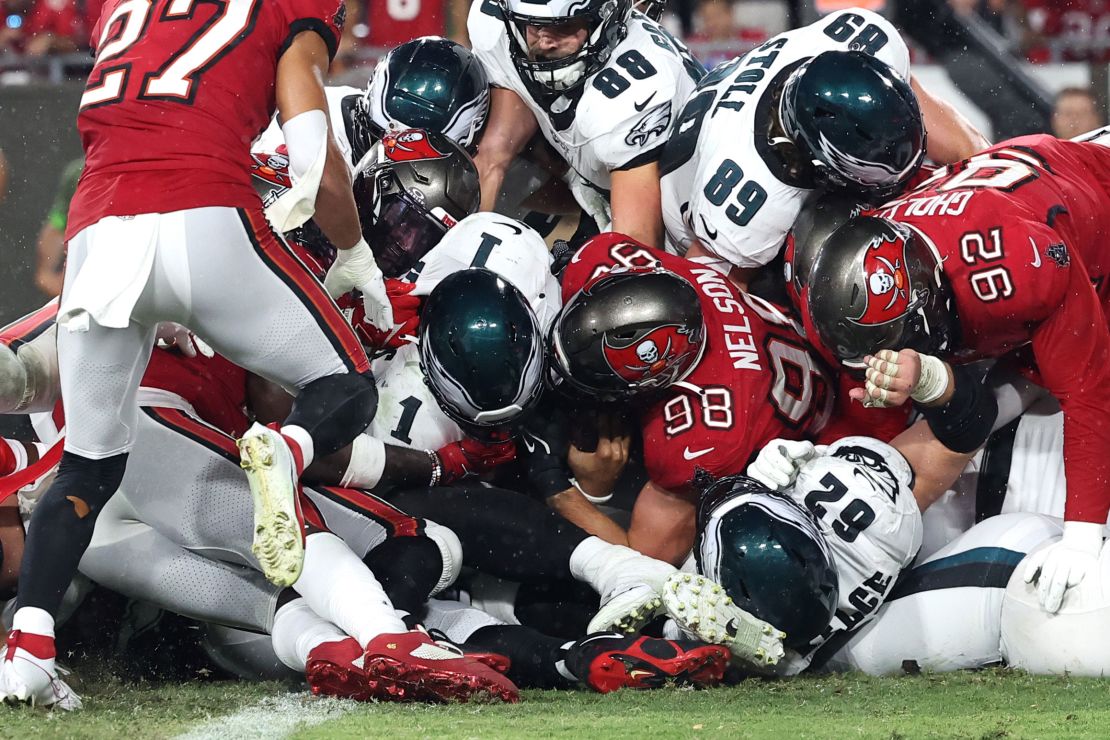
[(609, 661), (418, 668), (336, 669)]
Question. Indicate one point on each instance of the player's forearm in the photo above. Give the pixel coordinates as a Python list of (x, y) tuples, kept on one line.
[(637, 204), (936, 467), (368, 463), (573, 506), (336, 214), (510, 127), (951, 137)]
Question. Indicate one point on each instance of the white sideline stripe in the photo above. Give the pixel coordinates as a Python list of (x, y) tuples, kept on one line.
[(270, 718)]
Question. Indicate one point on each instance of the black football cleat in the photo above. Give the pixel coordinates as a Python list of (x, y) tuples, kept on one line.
[(609, 661)]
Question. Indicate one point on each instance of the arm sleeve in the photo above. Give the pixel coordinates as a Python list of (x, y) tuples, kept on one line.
[(1072, 350)]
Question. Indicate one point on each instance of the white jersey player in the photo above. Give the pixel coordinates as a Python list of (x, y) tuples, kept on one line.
[(740, 161), (606, 107), (408, 413), (969, 606)]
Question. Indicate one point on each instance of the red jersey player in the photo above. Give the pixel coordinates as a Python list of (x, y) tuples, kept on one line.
[(165, 226), (726, 373), (1002, 252)]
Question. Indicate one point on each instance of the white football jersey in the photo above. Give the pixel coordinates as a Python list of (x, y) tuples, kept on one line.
[(861, 494), (272, 138), (618, 118), (721, 185), (512, 249), (408, 413)]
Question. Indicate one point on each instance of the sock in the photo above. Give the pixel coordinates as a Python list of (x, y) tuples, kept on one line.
[(303, 440), (408, 569), (342, 590), (297, 631), (34, 621), (536, 658), (588, 559)]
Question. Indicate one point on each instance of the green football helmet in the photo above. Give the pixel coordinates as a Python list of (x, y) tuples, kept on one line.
[(769, 555), (430, 83), (481, 351), (856, 120)]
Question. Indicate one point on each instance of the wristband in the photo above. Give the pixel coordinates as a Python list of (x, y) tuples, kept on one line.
[(933, 381), (367, 463), (591, 499)]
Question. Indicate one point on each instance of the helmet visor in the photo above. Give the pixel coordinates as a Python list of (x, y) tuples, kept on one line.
[(400, 231)]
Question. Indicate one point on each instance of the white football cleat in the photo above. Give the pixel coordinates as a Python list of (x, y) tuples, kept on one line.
[(278, 521), (631, 588), (28, 674), (703, 611)]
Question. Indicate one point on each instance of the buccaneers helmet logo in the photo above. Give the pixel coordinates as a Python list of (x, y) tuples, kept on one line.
[(654, 359), (888, 293), (409, 146), (272, 168)]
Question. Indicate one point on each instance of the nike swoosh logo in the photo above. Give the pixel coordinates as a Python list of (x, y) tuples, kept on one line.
[(1036, 254), (528, 443), (516, 229), (711, 233), (640, 106), (687, 455)]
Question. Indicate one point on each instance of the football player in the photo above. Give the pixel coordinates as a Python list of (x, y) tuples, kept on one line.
[(832, 104), (602, 82), (818, 559), (178, 234), (717, 374), (997, 254)]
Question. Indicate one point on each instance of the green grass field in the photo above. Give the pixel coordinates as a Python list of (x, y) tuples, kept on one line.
[(991, 704)]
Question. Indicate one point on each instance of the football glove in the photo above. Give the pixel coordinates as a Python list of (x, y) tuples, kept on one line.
[(471, 457), (1063, 564), (777, 464), (169, 335), (355, 269), (406, 315)]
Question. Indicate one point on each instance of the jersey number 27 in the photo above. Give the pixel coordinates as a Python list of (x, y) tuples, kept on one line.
[(175, 80)]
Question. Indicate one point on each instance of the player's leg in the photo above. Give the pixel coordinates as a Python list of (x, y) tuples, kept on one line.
[(604, 661), (253, 301), (945, 613), (100, 373), (509, 535)]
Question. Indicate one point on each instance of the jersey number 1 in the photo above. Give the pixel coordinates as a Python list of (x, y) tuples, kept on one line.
[(175, 79)]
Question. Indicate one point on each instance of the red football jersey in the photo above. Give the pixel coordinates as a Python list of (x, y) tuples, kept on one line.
[(1022, 231), (179, 90), (393, 22), (756, 381)]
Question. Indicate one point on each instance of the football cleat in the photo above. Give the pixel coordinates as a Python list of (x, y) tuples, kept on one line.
[(28, 674), (631, 591), (496, 661), (337, 669), (610, 661), (703, 611), (278, 523), (420, 669)]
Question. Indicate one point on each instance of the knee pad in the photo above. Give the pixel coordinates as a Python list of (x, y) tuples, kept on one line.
[(450, 548), (1073, 641)]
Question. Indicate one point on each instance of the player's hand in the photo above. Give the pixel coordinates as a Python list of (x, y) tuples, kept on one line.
[(1064, 564), (170, 335), (353, 269), (597, 471), (890, 378), (777, 464), (406, 314), (471, 457)]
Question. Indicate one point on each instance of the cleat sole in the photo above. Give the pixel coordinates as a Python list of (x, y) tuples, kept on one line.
[(278, 536)]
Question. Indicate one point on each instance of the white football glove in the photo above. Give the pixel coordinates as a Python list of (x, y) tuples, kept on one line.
[(777, 464), (1062, 565), (353, 269)]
